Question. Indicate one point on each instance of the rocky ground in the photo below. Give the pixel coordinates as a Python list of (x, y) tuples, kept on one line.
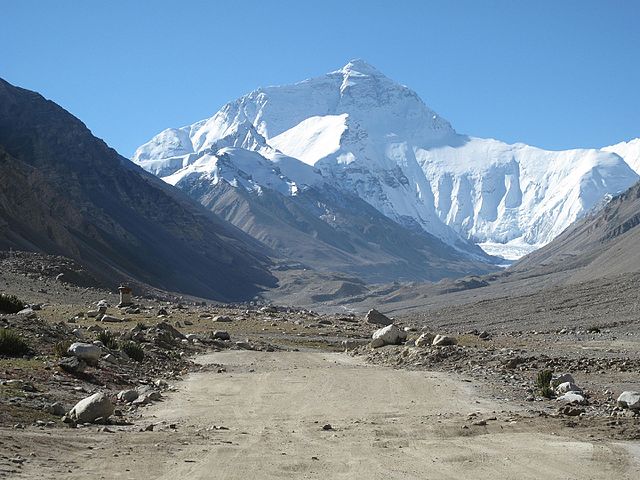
[(39, 389)]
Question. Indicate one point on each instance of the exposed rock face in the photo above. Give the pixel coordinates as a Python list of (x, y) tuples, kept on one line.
[(63, 191)]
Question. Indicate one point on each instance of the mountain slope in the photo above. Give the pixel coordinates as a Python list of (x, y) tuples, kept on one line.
[(602, 244), (630, 151), (377, 140), (289, 207), (66, 192)]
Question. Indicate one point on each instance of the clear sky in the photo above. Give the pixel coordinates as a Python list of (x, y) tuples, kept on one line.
[(555, 74)]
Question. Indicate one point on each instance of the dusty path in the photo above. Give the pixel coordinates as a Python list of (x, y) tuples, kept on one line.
[(388, 424)]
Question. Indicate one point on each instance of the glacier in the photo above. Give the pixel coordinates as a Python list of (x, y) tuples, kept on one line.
[(364, 133)]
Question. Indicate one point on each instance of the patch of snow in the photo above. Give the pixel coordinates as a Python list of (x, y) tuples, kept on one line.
[(313, 138)]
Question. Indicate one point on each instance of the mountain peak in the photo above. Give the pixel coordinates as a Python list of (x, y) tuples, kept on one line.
[(359, 66)]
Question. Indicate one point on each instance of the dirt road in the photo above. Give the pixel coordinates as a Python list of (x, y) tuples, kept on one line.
[(386, 424)]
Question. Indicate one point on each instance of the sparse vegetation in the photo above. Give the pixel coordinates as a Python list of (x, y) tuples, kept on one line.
[(10, 303), (134, 350), (12, 344), (60, 348), (108, 339), (543, 383)]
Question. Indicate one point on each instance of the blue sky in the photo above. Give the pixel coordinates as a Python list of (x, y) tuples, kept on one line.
[(555, 74)]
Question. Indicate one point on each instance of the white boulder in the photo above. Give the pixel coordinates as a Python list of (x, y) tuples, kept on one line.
[(89, 409), (572, 397), (85, 351), (443, 340), (389, 335), (567, 387), (630, 400)]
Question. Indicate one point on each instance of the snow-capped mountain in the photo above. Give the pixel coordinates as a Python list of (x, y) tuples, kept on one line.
[(377, 140), (630, 151)]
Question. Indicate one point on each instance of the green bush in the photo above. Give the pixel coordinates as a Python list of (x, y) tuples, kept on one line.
[(61, 348), (543, 383), (12, 344), (134, 350), (108, 339), (10, 303)]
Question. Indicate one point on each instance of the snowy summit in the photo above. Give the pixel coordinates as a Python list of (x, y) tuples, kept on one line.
[(361, 132)]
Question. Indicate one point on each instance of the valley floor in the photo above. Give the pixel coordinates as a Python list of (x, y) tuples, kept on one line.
[(264, 418)]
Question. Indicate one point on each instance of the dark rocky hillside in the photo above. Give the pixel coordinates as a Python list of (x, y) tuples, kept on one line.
[(65, 192)]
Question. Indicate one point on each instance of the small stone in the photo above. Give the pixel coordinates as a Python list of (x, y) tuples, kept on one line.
[(443, 340), (72, 365), (127, 396), (425, 339), (56, 409)]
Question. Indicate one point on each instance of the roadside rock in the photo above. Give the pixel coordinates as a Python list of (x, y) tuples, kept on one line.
[(376, 318), (222, 318), (89, 409), (111, 319), (389, 335), (630, 400)]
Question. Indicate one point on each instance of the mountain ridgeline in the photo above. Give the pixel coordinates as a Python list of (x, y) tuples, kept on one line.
[(376, 140), (65, 192)]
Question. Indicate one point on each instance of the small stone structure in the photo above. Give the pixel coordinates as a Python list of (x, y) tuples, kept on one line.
[(126, 300)]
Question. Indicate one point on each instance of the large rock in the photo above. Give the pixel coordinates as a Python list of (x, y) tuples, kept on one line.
[(389, 335), (376, 318), (85, 351), (89, 409), (424, 340), (630, 400), (443, 340)]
